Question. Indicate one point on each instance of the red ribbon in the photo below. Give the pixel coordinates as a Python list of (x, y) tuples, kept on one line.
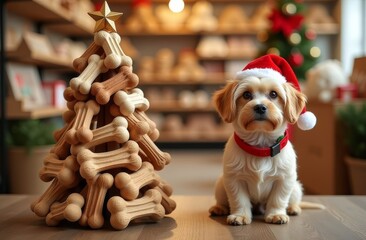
[(284, 23)]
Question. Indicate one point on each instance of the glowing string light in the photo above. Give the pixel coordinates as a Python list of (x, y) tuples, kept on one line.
[(176, 5)]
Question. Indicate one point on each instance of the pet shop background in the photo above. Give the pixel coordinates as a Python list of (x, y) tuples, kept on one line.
[(181, 60)]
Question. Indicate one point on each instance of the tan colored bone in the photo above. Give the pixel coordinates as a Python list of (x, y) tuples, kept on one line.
[(54, 192), (64, 170), (69, 210), (69, 94), (62, 147), (153, 131), (80, 131), (93, 163), (130, 184), (124, 79), (115, 131), (81, 62), (83, 82), (111, 45), (123, 212), (97, 190), (166, 191), (153, 154), (68, 117), (136, 127), (128, 102), (147, 147)]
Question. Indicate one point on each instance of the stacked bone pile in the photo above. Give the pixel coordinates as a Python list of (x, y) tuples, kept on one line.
[(103, 165)]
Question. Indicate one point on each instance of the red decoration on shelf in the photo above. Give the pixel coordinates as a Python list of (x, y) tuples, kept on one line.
[(296, 59), (310, 34), (285, 24)]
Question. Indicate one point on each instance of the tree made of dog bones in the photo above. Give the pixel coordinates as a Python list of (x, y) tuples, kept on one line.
[(276, 67), (103, 165)]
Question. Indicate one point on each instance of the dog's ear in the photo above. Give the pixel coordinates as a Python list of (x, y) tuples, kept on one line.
[(223, 101), (295, 102)]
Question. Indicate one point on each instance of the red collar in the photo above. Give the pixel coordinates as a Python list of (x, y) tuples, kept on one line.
[(262, 152)]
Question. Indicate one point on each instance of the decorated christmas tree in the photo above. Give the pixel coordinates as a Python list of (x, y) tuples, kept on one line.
[(103, 165), (290, 38)]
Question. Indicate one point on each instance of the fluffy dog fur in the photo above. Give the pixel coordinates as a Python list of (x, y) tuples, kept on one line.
[(247, 179)]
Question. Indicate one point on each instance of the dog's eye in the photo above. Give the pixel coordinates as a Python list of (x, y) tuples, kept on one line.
[(273, 95), (247, 95)]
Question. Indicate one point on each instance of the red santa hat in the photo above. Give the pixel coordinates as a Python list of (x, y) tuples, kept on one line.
[(276, 67)]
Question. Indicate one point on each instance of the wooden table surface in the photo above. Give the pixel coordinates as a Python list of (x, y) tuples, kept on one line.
[(344, 218)]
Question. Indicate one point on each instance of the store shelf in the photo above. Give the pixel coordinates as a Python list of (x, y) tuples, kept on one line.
[(52, 15), (40, 60), (38, 10), (175, 106), (187, 135), (15, 110), (210, 79)]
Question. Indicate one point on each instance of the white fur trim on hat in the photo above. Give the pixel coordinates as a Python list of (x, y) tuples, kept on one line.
[(306, 121), (260, 73)]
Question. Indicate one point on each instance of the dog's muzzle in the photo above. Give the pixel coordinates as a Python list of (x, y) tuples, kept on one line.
[(260, 111)]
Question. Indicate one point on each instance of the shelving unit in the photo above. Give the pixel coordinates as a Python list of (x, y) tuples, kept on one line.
[(46, 15), (330, 32)]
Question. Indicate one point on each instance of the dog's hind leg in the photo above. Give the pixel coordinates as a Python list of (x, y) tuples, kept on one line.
[(222, 205), (295, 199)]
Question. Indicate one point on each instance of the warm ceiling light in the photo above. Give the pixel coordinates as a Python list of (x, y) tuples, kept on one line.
[(176, 5)]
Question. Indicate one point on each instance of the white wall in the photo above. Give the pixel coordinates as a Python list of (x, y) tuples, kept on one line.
[(353, 32)]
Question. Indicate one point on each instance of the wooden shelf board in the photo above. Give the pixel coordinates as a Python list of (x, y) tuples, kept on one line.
[(43, 112), (183, 32), (40, 60), (163, 106), (71, 29), (38, 10), (172, 82), (325, 28), (187, 136)]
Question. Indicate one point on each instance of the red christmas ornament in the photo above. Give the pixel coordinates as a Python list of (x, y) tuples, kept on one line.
[(310, 34), (296, 59), (285, 24)]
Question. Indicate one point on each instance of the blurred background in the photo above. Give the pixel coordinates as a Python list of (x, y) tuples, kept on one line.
[(182, 52)]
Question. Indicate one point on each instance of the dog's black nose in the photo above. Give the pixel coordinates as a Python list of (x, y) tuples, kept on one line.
[(260, 109)]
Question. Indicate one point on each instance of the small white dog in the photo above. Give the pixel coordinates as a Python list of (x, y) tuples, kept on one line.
[(259, 163)]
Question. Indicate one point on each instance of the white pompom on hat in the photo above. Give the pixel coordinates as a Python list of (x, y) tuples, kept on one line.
[(276, 67)]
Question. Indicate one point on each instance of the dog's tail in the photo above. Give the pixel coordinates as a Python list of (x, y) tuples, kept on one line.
[(311, 205)]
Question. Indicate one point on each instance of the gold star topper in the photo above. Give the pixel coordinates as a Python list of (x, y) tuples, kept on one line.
[(105, 19)]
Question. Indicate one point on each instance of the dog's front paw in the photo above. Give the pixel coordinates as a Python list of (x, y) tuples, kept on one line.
[(238, 220), (277, 218), (219, 210)]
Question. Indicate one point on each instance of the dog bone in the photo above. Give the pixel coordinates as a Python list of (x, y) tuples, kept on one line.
[(69, 210), (68, 117), (153, 131), (81, 62), (123, 212), (153, 154), (80, 131), (62, 147), (136, 127), (130, 184), (54, 192), (69, 94), (124, 79), (64, 170), (83, 82), (114, 131), (111, 45), (93, 163), (97, 190), (168, 203), (129, 102)]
